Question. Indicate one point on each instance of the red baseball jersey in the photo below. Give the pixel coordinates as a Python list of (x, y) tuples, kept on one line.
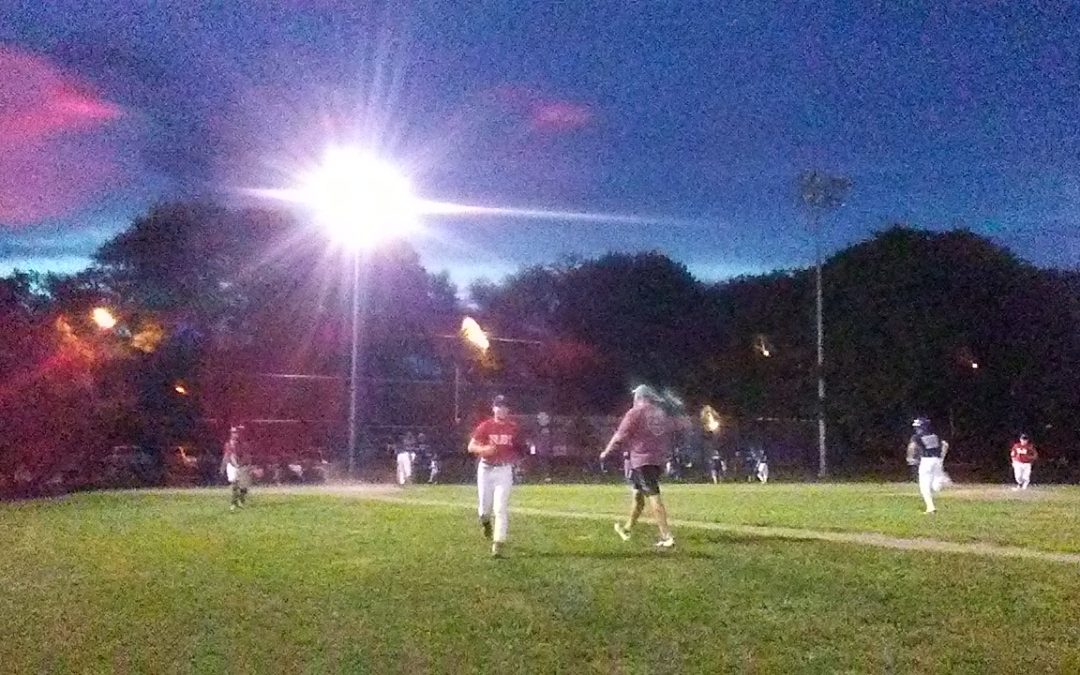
[(503, 435), (648, 433), (1023, 452)]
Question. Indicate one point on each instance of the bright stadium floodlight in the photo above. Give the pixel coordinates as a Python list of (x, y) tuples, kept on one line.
[(358, 199), (361, 202)]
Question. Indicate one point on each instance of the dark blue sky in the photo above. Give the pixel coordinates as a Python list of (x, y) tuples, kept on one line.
[(695, 115)]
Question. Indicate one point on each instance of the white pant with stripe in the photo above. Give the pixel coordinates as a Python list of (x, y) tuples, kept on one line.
[(1022, 473), (931, 479), (493, 483), (404, 467)]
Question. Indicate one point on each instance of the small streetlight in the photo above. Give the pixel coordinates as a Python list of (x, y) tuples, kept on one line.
[(710, 419), (103, 318), (474, 335), (762, 346)]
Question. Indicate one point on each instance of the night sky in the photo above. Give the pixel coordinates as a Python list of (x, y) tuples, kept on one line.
[(693, 117)]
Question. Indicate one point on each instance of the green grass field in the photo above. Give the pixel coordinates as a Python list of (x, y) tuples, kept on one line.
[(384, 581)]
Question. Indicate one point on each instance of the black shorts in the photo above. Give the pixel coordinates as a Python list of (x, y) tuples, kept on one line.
[(646, 479)]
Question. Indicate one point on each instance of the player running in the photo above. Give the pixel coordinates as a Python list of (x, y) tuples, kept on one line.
[(928, 451), (1023, 455), (495, 442), (647, 431)]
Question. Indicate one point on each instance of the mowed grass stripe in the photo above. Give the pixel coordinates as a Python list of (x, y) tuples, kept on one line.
[(874, 539), (975, 516)]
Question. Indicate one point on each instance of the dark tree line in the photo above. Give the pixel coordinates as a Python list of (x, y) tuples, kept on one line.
[(941, 324), (916, 323)]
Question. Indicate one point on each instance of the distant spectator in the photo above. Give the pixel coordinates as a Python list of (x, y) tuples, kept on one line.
[(542, 446)]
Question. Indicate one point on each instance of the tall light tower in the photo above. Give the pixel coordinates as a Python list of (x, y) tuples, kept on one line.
[(821, 194), (361, 202)]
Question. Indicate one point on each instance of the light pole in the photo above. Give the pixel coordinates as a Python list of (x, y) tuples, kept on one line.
[(820, 194), (361, 202), (474, 335)]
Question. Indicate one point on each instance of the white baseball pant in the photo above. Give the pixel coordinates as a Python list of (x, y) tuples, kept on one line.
[(493, 483), (931, 478), (404, 467), (1022, 473)]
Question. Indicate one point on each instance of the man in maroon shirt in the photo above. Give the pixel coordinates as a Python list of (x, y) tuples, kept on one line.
[(647, 432), (495, 443)]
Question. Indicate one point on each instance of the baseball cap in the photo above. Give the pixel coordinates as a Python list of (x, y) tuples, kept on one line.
[(500, 401), (920, 422), (645, 391)]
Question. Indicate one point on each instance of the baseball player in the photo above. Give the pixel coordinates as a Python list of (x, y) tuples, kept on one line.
[(1023, 455), (406, 455), (495, 442), (431, 454), (233, 465), (717, 466), (647, 431), (761, 464), (928, 451)]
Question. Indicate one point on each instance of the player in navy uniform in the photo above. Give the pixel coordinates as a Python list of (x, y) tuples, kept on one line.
[(717, 467), (928, 451)]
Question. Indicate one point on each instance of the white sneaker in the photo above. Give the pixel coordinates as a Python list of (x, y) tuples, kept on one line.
[(496, 550), (667, 542), (623, 533), (930, 511)]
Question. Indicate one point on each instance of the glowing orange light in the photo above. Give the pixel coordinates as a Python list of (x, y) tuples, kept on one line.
[(762, 346), (103, 318), (474, 334), (710, 419), (179, 388)]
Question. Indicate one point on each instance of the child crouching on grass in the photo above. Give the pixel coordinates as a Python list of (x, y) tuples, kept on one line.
[(235, 469)]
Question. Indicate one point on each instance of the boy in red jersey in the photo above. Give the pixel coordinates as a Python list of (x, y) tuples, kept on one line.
[(495, 442), (1022, 454)]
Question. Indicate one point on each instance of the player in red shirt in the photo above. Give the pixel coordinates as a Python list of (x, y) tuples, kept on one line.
[(1023, 454), (647, 431), (495, 442)]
